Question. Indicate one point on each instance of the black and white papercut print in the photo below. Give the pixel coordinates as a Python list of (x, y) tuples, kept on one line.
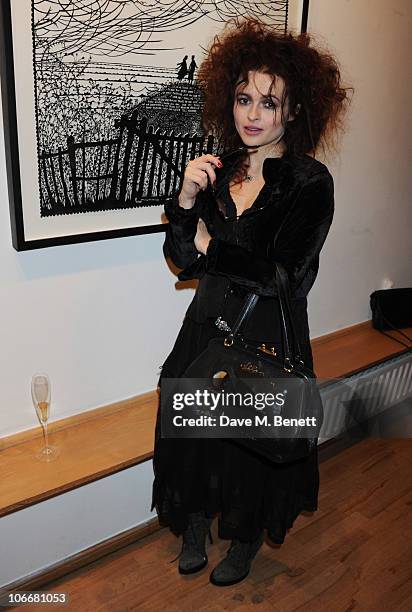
[(117, 116), (105, 112)]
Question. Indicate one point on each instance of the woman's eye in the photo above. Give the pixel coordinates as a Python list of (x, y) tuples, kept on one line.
[(267, 103)]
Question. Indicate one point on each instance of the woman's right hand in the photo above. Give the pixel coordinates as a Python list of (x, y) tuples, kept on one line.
[(196, 176)]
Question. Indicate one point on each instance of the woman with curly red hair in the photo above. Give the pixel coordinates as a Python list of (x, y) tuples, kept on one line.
[(273, 99)]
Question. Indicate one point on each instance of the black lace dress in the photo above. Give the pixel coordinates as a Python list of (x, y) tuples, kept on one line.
[(288, 222)]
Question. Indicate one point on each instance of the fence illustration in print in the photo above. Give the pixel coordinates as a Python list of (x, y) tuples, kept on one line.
[(140, 167)]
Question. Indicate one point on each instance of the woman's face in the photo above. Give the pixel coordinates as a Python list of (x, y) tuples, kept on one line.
[(258, 118)]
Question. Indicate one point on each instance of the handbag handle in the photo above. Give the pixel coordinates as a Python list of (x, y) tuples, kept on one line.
[(283, 286), (290, 338)]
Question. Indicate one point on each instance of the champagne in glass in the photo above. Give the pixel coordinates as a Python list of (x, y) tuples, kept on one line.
[(40, 392), (43, 411)]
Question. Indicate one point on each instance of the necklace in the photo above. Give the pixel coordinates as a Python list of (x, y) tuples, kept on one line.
[(250, 177)]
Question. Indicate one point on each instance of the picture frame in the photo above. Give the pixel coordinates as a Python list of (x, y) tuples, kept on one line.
[(98, 132)]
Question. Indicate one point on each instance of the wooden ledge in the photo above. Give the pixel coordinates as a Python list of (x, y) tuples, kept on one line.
[(92, 445), (353, 349), (104, 441)]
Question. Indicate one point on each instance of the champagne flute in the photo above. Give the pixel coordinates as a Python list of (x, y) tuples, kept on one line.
[(40, 392)]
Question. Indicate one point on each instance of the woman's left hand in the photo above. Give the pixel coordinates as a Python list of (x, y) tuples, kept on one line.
[(202, 237)]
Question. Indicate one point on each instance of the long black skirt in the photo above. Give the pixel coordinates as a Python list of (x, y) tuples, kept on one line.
[(216, 475)]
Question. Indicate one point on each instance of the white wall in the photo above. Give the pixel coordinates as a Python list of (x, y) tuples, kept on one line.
[(101, 317), (371, 234), (51, 531)]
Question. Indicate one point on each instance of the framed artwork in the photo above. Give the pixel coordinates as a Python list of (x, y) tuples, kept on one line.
[(102, 111)]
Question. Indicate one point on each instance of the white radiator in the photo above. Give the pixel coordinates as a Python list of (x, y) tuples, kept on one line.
[(350, 404)]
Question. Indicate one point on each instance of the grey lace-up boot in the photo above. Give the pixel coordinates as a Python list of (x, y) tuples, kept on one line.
[(193, 557), (236, 565)]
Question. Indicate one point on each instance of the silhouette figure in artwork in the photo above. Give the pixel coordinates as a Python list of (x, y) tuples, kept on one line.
[(182, 68), (192, 69)]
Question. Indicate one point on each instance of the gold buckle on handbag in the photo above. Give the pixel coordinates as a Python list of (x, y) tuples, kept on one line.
[(269, 350)]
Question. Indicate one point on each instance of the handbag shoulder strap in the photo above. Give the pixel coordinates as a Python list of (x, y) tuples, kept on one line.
[(247, 308), (283, 285), (291, 343)]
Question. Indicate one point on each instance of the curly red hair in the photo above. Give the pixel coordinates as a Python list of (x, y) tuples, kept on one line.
[(312, 83)]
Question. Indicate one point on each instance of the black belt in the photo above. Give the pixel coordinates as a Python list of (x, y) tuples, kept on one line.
[(238, 290)]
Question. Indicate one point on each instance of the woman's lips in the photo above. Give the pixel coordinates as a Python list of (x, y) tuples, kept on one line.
[(252, 131)]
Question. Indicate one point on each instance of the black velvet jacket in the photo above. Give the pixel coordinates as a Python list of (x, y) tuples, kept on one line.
[(288, 223)]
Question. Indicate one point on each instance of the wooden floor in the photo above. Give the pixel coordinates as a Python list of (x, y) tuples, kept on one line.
[(354, 553)]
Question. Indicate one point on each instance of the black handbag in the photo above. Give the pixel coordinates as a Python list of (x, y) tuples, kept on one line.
[(392, 309), (237, 363)]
